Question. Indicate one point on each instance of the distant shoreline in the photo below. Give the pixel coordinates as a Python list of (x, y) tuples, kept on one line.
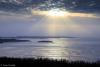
[(41, 37)]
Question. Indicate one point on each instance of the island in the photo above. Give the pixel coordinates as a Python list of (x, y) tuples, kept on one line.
[(45, 41), (12, 40)]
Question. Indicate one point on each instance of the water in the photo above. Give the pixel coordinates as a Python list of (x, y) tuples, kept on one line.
[(61, 48)]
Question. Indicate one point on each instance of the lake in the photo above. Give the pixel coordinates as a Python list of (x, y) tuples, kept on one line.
[(73, 49)]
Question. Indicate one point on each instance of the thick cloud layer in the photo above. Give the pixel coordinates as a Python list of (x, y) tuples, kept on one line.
[(71, 5)]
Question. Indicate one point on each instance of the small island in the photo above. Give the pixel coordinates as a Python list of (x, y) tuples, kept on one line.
[(12, 40), (45, 41)]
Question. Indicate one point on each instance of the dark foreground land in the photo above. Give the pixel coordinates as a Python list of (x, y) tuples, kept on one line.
[(32, 62)]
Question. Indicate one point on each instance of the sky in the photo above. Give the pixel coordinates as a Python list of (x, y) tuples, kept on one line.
[(77, 18)]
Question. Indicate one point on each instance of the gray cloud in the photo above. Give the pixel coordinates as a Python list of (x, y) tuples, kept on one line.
[(24, 6)]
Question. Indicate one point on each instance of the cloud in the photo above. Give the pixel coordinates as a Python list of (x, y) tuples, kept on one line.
[(25, 6), (11, 7)]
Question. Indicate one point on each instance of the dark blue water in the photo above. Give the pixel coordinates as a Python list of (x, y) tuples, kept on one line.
[(86, 49)]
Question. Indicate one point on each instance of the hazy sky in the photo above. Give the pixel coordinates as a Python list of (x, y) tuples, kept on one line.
[(34, 18)]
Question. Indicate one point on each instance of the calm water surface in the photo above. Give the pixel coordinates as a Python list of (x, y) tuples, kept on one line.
[(60, 48)]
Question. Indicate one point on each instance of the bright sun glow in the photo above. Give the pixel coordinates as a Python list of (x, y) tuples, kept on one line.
[(60, 13), (53, 13), (57, 13)]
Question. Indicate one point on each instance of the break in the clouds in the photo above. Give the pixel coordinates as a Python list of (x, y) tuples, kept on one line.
[(23, 6)]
